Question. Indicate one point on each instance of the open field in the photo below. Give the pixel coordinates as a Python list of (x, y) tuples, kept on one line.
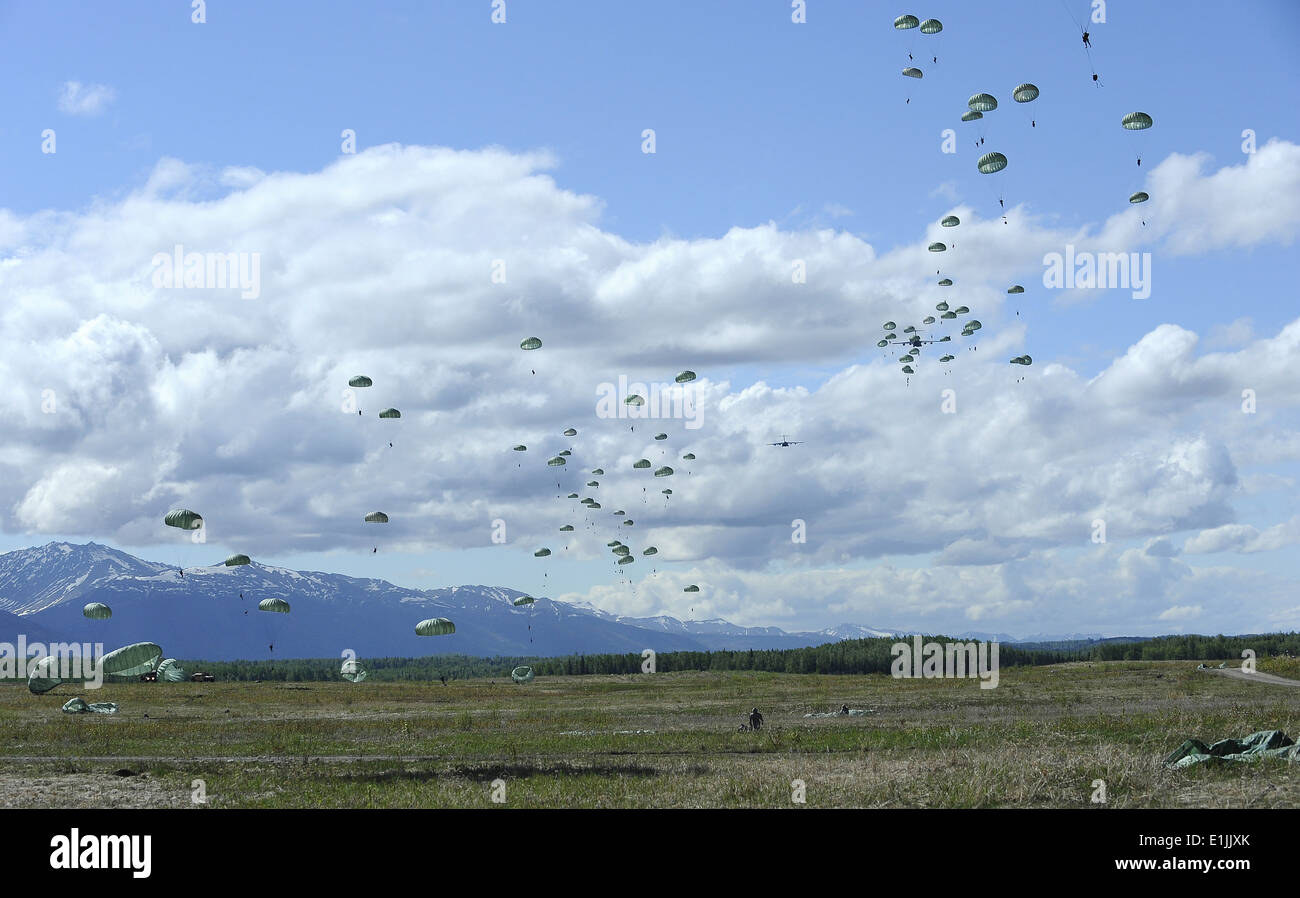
[(664, 740)]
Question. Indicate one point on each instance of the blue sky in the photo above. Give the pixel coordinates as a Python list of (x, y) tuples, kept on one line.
[(757, 120)]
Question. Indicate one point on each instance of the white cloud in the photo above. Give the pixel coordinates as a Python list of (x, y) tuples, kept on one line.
[(382, 264), (76, 98)]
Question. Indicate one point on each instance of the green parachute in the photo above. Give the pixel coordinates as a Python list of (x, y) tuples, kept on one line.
[(522, 674), (913, 72), (641, 463), (982, 103), (931, 26), (902, 23), (530, 343), (571, 432), (937, 247), (376, 517), (634, 399), (971, 116), (661, 436), (1025, 93), (1022, 360), (685, 377), (567, 528), (524, 600), (691, 588), (556, 461), (991, 162), (946, 282), (360, 381), (390, 413), (665, 471), (235, 560), (352, 672), (1139, 197), (950, 221), (542, 553), (97, 611), (184, 519), (1136, 121), (170, 671), (279, 606), (1017, 289), (521, 448), (435, 626)]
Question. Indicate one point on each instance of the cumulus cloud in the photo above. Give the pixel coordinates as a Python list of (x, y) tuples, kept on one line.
[(424, 268), (76, 98), (1244, 539)]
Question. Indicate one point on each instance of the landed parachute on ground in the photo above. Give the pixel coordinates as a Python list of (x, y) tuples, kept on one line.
[(435, 626), (351, 671), (184, 519), (279, 606), (130, 661), (97, 611), (170, 671), (522, 674)]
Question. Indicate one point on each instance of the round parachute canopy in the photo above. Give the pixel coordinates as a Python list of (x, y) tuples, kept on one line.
[(913, 72), (937, 247), (1136, 121), (626, 559), (566, 453), (950, 221), (522, 674), (691, 588), (184, 519), (620, 512), (907, 359), (622, 550), (42, 677), (666, 492), (945, 339), (928, 319), (982, 103), (567, 528), (689, 456), (594, 505), (376, 517), (352, 672), (521, 448), (169, 671), (524, 600), (910, 329), (556, 462), (891, 336), (1025, 93), (571, 432), (131, 660), (641, 463), (1139, 197), (1022, 360), (97, 611), (883, 343), (931, 26), (1017, 289), (971, 116), (360, 381), (948, 316), (665, 471), (629, 522), (962, 310), (661, 436), (974, 325), (941, 307), (991, 162), (280, 606), (613, 542), (889, 325), (946, 282), (572, 496), (947, 358), (598, 471), (907, 369), (541, 553), (390, 413), (902, 23), (531, 343), (593, 483), (234, 560), (651, 551), (634, 399), (685, 377), (435, 626)]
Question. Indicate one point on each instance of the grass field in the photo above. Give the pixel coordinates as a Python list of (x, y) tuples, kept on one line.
[(663, 740)]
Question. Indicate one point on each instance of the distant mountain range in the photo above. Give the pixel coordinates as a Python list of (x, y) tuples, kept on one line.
[(211, 613)]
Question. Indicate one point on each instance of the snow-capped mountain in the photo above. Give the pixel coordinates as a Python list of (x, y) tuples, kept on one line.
[(212, 613)]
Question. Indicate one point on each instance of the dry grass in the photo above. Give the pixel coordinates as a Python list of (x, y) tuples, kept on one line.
[(1039, 740)]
